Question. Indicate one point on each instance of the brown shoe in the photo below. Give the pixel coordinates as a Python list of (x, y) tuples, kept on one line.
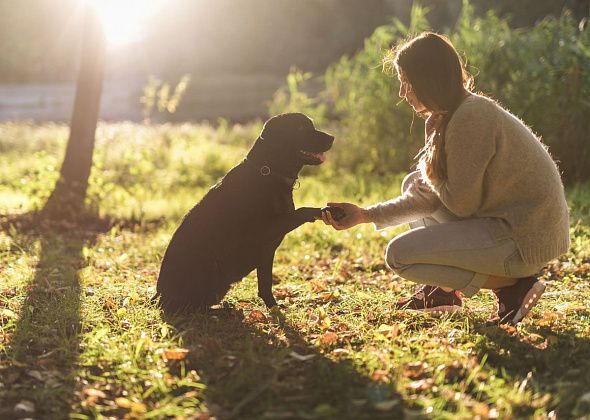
[(516, 301), (431, 299)]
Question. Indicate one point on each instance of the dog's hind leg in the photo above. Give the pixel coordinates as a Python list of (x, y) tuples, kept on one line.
[(191, 283)]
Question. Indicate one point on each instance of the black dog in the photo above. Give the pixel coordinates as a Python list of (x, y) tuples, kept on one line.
[(241, 221)]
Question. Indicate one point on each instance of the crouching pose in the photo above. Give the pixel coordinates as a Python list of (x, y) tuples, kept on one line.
[(486, 207)]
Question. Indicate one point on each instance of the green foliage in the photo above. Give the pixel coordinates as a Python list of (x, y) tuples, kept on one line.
[(156, 96), (290, 98), (539, 73)]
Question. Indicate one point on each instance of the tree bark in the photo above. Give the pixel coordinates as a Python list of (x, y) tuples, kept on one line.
[(70, 190)]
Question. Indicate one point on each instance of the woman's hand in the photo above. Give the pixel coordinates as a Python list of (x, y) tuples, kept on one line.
[(354, 215)]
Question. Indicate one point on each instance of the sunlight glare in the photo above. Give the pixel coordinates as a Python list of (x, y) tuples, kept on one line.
[(123, 20)]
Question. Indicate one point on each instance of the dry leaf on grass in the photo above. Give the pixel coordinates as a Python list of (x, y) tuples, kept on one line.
[(92, 392), (24, 406), (328, 296), (256, 316), (414, 370), (317, 285), (341, 352), (380, 375), (327, 339), (421, 385), (175, 354), (389, 331)]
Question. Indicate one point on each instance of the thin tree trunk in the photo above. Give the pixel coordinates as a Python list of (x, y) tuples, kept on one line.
[(70, 190)]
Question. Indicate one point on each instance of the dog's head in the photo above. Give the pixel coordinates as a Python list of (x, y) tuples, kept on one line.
[(294, 137)]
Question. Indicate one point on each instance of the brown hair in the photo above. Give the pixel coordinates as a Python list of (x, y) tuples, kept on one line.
[(436, 74)]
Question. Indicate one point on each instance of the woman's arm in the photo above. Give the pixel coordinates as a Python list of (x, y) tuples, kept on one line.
[(416, 202)]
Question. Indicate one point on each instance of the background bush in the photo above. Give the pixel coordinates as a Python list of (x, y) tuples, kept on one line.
[(540, 73)]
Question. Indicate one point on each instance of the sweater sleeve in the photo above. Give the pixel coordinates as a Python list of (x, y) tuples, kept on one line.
[(469, 147), (416, 202)]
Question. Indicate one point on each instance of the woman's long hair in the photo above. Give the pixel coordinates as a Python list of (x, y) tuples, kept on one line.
[(436, 74)]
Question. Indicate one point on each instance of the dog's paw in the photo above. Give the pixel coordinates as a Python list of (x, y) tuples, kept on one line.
[(277, 315), (309, 214), (269, 300), (336, 212)]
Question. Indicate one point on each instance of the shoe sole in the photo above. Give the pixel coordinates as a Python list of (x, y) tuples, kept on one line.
[(530, 300)]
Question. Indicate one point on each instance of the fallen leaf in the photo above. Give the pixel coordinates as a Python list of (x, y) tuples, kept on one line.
[(317, 285), (389, 331), (164, 331), (414, 370), (91, 392), (341, 352), (256, 316), (380, 375), (35, 374), (454, 371), (328, 296), (481, 410), (328, 339), (24, 406), (510, 329), (123, 402), (110, 304), (175, 354), (125, 324), (138, 408), (7, 313), (421, 385)]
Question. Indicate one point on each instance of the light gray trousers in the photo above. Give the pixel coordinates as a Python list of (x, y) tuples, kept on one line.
[(445, 250)]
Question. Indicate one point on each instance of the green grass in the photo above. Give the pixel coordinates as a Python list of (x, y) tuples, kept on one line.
[(79, 337)]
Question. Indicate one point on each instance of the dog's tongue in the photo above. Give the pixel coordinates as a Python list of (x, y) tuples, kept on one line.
[(321, 156)]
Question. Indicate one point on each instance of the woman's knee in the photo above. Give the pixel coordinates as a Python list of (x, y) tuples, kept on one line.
[(393, 255), (409, 179)]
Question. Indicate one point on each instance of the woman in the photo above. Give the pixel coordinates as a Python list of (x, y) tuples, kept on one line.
[(486, 206)]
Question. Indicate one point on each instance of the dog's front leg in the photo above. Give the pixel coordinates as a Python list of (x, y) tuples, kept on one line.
[(285, 223), (264, 274)]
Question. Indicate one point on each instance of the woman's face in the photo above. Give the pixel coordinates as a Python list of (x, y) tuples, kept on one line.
[(406, 92)]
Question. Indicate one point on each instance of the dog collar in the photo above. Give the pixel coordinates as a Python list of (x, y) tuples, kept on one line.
[(266, 171)]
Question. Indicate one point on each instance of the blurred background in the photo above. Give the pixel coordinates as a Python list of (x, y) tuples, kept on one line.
[(177, 90), (236, 53)]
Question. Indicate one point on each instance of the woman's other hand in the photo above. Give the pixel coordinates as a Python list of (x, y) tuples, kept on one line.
[(354, 215)]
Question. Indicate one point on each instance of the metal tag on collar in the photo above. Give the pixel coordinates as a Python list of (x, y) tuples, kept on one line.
[(265, 170)]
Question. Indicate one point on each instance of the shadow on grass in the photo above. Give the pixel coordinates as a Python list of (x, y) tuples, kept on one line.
[(258, 370), (547, 361), (42, 354)]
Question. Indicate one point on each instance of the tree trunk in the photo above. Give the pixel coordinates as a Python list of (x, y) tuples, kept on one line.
[(70, 191)]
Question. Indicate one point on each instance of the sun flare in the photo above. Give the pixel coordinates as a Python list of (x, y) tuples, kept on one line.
[(123, 20)]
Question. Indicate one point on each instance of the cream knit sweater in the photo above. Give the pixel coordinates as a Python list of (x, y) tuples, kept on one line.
[(496, 168)]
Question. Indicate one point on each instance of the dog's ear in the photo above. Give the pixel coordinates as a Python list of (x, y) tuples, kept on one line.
[(272, 128)]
